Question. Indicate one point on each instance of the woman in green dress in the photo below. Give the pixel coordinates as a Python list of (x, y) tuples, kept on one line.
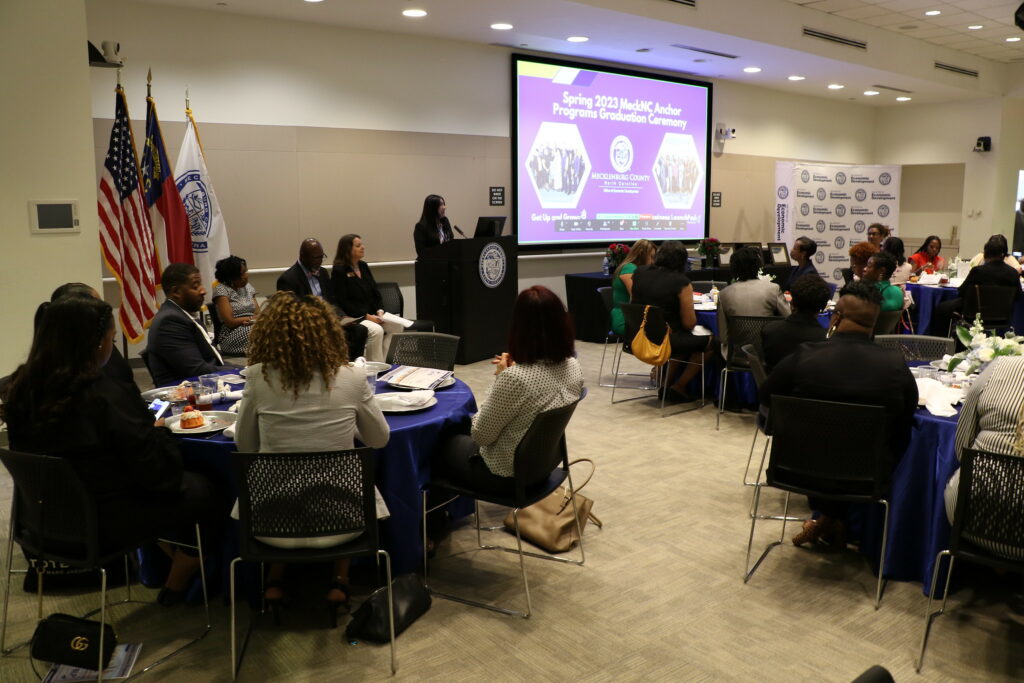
[(640, 254)]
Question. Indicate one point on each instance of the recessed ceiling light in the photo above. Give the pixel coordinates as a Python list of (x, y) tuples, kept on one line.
[(752, 69), (1015, 39), (501, 27), (414, 13), (835, 86), (975, 27), (224, 3), (870, 93), (577, 39), (933, 13), (903, 99), (797, 78)]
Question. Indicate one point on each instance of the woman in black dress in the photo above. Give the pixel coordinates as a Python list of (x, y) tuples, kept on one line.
[(433, 228), (665, 284), (356, 293)]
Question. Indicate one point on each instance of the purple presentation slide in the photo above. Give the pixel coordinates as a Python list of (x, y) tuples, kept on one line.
[(605, 156)]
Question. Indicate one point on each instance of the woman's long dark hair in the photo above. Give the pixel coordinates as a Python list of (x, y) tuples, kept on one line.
[(541, 329), (927, 241), (343, 257), (67, 289), (432, 209), (894, 246), (671, 255), (61, 362)]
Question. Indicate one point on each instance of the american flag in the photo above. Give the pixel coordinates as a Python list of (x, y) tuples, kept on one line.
[(126, 237)]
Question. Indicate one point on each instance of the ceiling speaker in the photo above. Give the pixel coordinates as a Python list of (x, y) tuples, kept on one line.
[(1018, 17)]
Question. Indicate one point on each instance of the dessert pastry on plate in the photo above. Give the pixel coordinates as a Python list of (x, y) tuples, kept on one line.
[(191, 418)]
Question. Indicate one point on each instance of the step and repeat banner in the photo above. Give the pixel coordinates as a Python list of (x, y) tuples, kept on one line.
[(834, 204)]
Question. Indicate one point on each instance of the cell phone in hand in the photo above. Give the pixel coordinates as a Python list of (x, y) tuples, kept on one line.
[(159, 408)]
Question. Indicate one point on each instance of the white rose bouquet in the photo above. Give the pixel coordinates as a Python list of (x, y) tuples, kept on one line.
[(982, 348), (767, 277)]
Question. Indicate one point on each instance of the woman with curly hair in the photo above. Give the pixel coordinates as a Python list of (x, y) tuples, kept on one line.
[(302, 396), (235, 300), (860, 253)]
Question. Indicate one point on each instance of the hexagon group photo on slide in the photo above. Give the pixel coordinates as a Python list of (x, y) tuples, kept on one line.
[(558, 165), (678, 171)]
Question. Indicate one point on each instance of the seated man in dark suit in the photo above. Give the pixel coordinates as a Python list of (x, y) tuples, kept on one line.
[(848, 368), (177, 346), (803, 249), (992, 272), (780, 338), (307, 276)]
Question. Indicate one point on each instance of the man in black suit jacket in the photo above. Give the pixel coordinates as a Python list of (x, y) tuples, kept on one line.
[(308, 277), (993, 271), (177, 346), (848, 368), (782, 337)]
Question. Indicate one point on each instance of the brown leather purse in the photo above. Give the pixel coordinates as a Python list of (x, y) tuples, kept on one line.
[(549, 523)]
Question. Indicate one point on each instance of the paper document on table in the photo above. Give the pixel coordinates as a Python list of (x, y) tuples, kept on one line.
[(929, 279), (396, 319), (409, 377), (121, 664)]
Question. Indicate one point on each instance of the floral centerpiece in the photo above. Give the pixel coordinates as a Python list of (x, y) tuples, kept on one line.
[(615, 254), (709, 247), (767, 277), (982, 348)]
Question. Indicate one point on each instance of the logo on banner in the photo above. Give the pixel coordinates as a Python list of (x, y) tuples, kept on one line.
[(820, 257), (783, 192), (820, 226), (860, 195), (837, 274), (840, 178), (197, 206), (840, 210), (804, 176), (884, 178), (883, 210), (840, 242), (492, 265), (821, 194), (859, 226), (622, 154), (805, 209)]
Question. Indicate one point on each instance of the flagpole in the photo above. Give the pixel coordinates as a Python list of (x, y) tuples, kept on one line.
[(192, 122), (149, 83)]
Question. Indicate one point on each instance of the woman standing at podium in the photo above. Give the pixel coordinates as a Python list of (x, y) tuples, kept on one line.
[(433, 228)]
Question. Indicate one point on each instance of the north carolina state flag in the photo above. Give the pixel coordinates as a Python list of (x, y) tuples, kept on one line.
[(171, 231)]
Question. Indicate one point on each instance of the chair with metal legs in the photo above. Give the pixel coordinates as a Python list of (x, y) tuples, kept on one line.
[(53, 517), (610, 336), (540, 465), (917, 347), (989, 516), (306, 495), (824, 449), (743, 329)]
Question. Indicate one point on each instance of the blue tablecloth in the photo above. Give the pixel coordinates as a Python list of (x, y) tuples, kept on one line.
[(926, 298), (402, 469)]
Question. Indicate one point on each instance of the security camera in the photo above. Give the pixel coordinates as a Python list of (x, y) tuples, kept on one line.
[(726, 133)]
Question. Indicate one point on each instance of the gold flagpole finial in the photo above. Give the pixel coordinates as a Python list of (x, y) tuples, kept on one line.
[(149, 82), (119, 77), (187, 105)]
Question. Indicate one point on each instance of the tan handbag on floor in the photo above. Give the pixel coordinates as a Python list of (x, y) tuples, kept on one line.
[(646, 350), (549, 523)]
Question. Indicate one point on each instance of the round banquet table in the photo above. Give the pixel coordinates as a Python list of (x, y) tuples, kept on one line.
[(402, 470), (926, 298)]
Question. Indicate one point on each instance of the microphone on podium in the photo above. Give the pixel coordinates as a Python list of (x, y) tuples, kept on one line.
[(459, 231)]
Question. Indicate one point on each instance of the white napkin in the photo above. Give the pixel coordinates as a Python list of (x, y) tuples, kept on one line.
[(231, 395), (700, 331), (929, 279), (233, 408), (936, 397), (230, 432), (409, 399)]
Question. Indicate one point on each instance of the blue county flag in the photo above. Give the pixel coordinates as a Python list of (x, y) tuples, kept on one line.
[(126, 238), (209, 234), (166, 212)]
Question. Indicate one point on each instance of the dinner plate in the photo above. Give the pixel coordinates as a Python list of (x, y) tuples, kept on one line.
[(233, 379), (216, 421), (939, 364), (443, 385), (158, 393), (407, 409)]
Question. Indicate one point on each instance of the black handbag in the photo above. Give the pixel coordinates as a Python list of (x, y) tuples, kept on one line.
[(64, 639), (370, 621)]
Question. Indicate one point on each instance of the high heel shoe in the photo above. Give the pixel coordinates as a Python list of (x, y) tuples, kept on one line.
[(813, 531), (275, 604), (335, 606)]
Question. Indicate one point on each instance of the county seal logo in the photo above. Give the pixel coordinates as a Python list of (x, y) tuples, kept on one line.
[(621, 154), (840, 210), (883, 210), (884, 178), (820, 194), (840, 178), (492, 265), (783, 192), (859, 226), (820, 226), (860, 195), (197, 206), (805, 209), (805, 176)]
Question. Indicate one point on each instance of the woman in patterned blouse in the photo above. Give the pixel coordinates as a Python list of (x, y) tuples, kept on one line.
[(538, 372), (235, 300)]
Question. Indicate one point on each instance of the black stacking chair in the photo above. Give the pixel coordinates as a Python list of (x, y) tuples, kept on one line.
[(540, 465), (306, 495), (916, 347), (655, 330), (424, 350), (394, 302), (743, 329), (606, 298), (989, 514), (994, 303), (887, 321), (144, 355), (825, 449), (704, 286), (211, 310), (53, 517)]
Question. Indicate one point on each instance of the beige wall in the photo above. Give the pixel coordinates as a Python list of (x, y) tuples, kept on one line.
[(45, 153)]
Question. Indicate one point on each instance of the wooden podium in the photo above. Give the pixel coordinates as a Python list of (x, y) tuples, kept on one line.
[(468, 287)]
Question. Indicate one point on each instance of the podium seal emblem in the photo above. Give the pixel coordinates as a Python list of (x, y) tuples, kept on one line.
[(492, 265)]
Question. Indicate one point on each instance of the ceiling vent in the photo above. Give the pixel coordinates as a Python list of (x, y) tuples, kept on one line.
[(892, 89), (688, 3), (691, 48), (833, 38), (956, 69)]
